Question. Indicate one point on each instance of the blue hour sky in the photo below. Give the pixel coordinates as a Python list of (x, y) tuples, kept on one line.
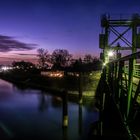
[(55, 24)]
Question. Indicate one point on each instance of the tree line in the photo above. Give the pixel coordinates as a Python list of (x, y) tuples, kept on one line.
[(61, 59)]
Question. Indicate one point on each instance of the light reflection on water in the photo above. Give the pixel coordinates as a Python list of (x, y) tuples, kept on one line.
[(38, 114)]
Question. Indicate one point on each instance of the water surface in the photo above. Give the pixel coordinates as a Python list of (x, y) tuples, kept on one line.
[(35, 113)]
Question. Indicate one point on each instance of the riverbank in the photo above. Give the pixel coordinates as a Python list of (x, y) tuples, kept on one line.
[(30, 113), (56, 86)]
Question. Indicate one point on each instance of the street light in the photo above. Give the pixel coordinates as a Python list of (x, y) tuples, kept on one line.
[(110, 53), (104, 64)]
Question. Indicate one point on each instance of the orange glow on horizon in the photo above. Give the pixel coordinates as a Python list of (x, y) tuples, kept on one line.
[(8, 57)]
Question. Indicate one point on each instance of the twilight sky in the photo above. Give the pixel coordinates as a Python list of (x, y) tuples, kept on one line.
[(26, 25)]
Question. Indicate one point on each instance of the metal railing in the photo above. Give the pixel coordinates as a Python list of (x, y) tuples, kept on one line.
[(123, 78), (136, 70)]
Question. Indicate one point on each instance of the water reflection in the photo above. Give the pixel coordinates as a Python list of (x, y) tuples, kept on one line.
[(21, 109), (56, 101), (80, 119), (5, 90), (42, 102)]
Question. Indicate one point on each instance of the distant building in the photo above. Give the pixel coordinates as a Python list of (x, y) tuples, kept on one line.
[(52, 73)]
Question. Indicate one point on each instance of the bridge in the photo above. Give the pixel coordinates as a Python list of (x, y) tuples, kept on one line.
[(118, 92)]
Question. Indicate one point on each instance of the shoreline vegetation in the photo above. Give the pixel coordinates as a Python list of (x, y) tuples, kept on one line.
[(56, 86)]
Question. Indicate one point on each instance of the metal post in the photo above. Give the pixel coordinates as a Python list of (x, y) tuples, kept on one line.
[(65, 109), (132, 62), (115, 78), (80, 87), (120, 71), (106, 58), (65, 133), (130, 85)]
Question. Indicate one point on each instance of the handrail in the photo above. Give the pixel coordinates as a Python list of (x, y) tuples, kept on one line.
[(125, 58), (124, 82), (136, 70)]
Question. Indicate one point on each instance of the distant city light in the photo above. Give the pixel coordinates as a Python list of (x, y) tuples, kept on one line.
[(5, 68)]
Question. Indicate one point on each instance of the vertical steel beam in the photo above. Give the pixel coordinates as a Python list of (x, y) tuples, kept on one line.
[(132, 63), (120, 74), (130, 85)]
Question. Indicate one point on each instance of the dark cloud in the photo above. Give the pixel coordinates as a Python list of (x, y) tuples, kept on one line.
[(26, 54), (8, 43)]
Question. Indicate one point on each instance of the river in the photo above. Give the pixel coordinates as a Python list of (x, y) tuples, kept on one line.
[(26, 113)]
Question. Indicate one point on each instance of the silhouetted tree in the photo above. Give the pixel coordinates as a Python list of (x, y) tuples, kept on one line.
[(97, 64), (60, 58), (43, 56), (88, 64), (77, 65), (88, 58)]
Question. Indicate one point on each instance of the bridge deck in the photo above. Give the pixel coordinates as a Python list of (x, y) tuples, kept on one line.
[(113, 126)]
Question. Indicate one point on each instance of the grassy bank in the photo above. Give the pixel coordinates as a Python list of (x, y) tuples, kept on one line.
[(54, 85)]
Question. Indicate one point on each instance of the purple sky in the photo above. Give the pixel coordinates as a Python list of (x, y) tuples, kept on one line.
[(57, 24)]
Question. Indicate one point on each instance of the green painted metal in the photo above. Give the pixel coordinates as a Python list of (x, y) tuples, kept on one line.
[(126, 81), (136, 70), (130, 85), (129, 26), (122, 74)]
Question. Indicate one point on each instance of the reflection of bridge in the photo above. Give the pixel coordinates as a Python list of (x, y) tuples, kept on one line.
[(119, 87)]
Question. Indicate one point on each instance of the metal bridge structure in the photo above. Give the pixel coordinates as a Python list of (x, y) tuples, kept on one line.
[(119, 86)]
